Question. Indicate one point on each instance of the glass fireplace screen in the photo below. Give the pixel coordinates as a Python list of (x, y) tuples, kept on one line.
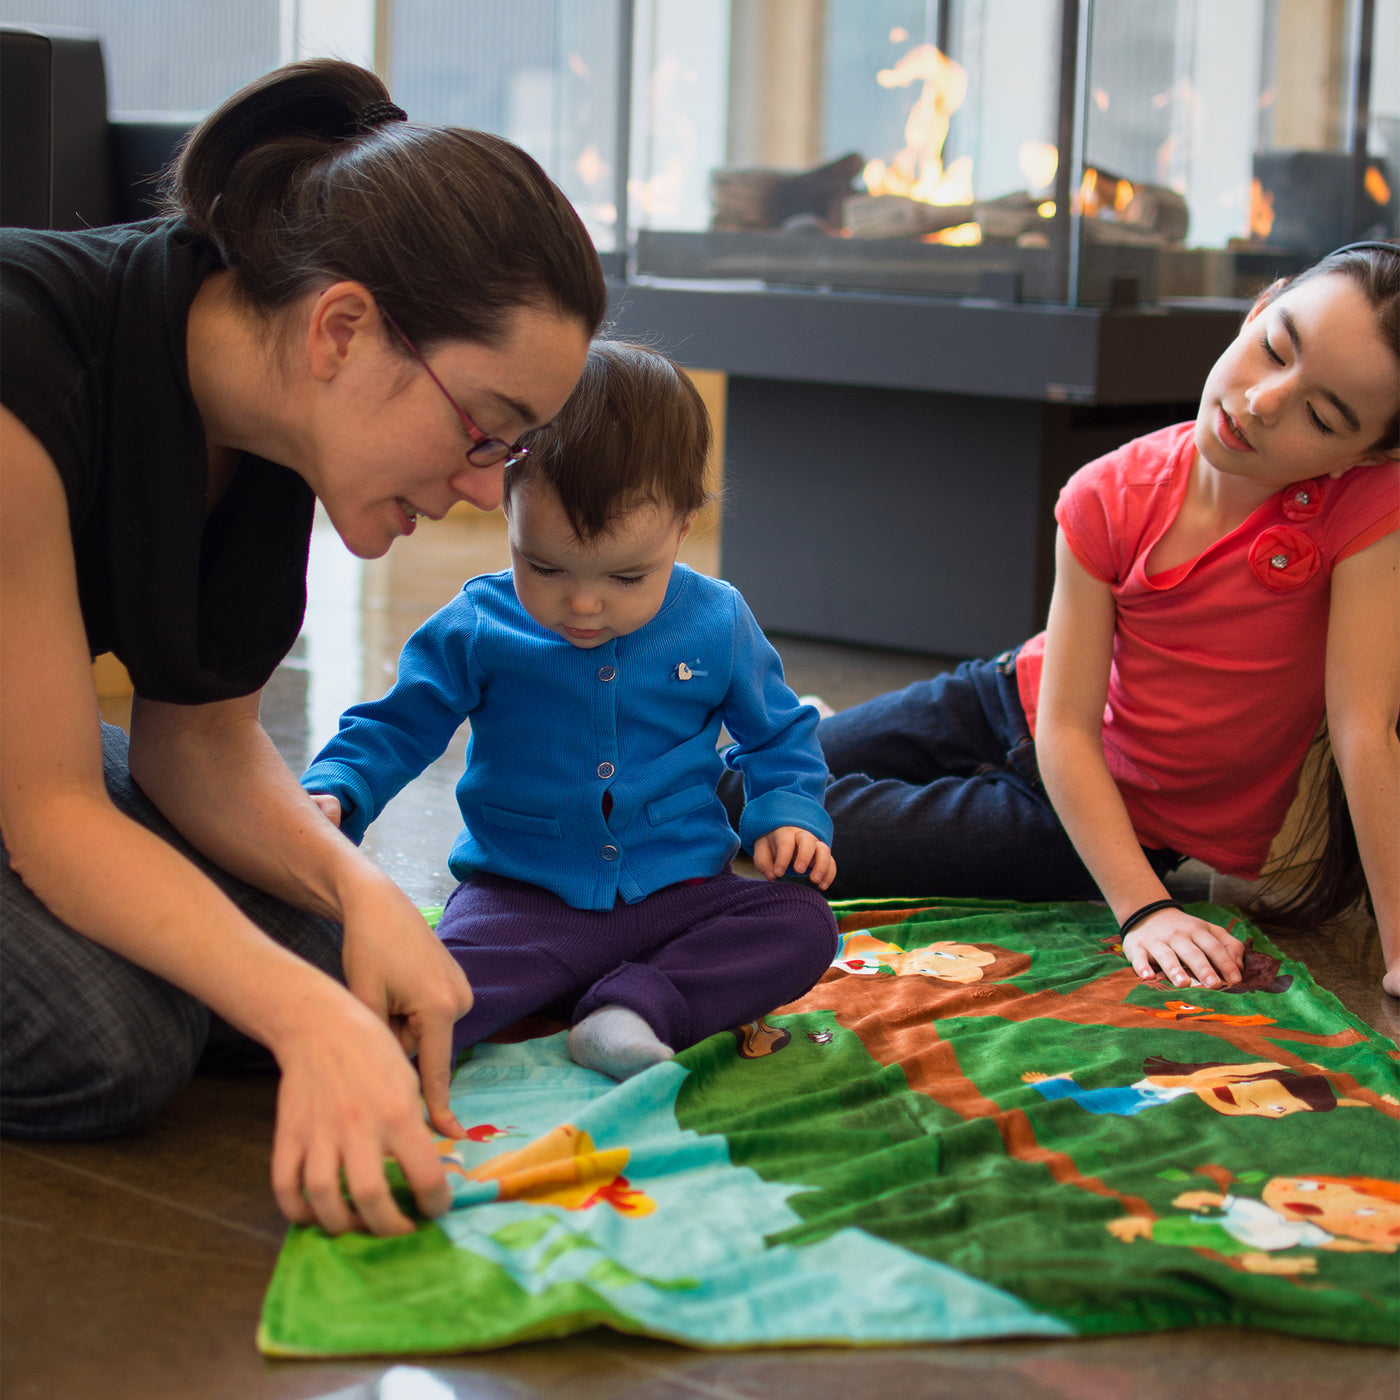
[(1112, 153)]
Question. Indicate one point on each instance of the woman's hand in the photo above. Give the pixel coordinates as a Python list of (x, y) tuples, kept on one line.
[(347, 1100), (796, 847), (396, 966), (1187, 950)]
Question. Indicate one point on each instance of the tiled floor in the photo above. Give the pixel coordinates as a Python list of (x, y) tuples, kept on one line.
[(135, 1267)]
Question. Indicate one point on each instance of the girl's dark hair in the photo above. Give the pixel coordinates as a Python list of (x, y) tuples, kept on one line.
[(1375, 269), (299, 180), (634, 431), (1336, 881)]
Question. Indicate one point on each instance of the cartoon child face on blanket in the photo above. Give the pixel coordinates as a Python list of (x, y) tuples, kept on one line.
[(950, 962), (1359, 1209), (1260, 1089), (1343, 1214)]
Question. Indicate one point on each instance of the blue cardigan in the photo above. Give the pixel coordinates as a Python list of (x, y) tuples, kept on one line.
[(554, 727)]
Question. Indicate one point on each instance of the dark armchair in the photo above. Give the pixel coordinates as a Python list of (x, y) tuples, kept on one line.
[(65, 163)]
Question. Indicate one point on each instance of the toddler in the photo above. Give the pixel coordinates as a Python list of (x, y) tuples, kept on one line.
[(596, 673)]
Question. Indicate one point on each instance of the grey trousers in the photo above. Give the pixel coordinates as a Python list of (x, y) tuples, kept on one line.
[(91, 1044)]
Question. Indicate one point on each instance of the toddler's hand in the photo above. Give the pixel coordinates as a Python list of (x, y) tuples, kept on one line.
[(791, 845), (328, 804), (1189, 951)]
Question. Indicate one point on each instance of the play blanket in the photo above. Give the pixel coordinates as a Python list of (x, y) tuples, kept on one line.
[(979, 1123)]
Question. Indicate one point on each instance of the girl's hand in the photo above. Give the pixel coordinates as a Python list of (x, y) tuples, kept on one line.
[(797, 847), (347, 1100), (1188, 951), (396, 966)]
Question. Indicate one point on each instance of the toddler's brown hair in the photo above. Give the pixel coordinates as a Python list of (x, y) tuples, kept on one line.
[(634, 431)]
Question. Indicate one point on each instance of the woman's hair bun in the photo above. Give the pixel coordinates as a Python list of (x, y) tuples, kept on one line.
[(312, 174)]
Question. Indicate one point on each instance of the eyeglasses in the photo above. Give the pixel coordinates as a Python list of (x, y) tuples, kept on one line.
[(484, 451)]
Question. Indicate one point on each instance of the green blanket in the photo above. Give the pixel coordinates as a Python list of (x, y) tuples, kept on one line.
[(979, 1123)]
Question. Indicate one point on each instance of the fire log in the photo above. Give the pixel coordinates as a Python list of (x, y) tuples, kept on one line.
[(767, 199)]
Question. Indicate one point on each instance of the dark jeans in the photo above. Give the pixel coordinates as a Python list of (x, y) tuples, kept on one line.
[(935, 791), (91, 1044)]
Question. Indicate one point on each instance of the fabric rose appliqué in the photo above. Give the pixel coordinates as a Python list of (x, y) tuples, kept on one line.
[(1302, 500), (1282, 559)]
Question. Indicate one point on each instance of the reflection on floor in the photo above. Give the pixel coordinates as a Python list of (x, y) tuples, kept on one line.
[(135, 1266)]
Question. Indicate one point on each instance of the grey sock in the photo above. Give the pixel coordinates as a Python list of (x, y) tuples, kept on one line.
[(617, 1042)]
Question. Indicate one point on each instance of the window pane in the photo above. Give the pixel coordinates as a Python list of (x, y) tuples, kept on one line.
[(167, 55), (542, 73)]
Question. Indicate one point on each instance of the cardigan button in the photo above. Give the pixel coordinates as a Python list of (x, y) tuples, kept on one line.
[(1279, 561), (606, 770), (608, 853), (607, 673)]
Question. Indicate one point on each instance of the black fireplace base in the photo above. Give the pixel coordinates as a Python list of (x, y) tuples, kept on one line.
[(921, 522), (892, 462)]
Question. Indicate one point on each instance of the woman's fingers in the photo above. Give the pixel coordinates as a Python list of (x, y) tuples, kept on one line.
[(349, 1100), (343, 1186), (435, 1078), (368, 1187), (286, 1180), (322, 1186), (422, 1169)]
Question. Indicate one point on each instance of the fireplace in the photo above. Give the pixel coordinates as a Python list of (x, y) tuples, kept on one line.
[(1138, 151), (946, 252)]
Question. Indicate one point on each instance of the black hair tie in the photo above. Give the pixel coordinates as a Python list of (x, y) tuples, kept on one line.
[(1146, 912), (377, 113)]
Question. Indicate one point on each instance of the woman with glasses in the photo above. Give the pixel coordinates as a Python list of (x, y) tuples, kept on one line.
[(339, 305)]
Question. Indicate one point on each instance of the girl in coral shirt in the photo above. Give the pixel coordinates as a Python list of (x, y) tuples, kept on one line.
[(1221, 587)]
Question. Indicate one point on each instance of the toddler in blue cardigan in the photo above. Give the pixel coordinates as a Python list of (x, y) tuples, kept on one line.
[(596, 674)]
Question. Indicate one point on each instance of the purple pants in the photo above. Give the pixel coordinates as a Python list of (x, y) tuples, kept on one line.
[(690, 959)]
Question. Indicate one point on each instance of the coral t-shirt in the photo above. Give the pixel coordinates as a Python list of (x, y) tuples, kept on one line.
[(1217, 681)]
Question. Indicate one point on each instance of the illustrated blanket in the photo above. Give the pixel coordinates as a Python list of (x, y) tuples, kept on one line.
[(980, 1123)]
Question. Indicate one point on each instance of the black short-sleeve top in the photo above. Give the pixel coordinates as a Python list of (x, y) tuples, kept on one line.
[(200, 605)]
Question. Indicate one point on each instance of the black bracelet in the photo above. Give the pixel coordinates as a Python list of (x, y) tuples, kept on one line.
[(1146, 912)]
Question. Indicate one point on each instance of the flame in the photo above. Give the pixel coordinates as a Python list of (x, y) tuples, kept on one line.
[(1039, 161), (898, 35), (917, 171), (959, 236), (1375, 185), (578, 66), (1101, 194), (1046, 210), (1086, 202), (1261, 210), (1101, 99)]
